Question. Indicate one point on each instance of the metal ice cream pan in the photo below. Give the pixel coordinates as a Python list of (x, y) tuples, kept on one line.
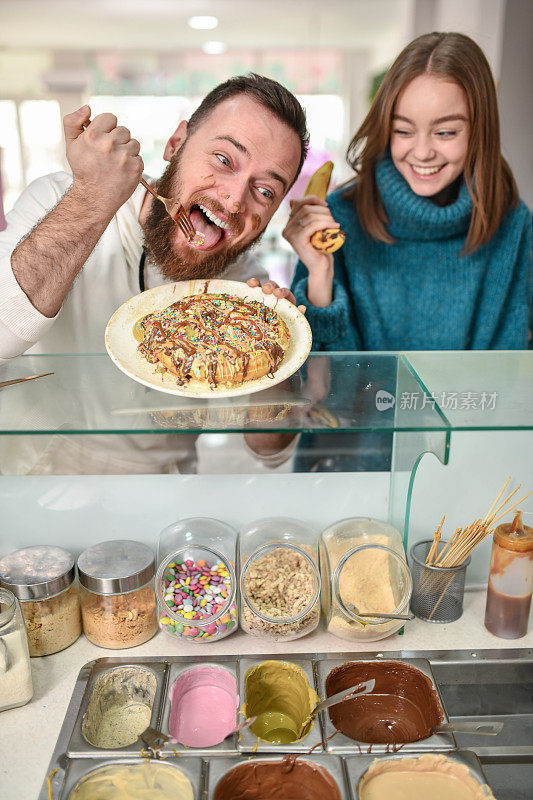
[(344, 745), (79, 767), (113, 683), (227, 746), (356, 766), (247, 742), (218, 767)]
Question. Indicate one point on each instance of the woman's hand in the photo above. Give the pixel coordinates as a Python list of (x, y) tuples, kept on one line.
[(309, 215), (271, 287)]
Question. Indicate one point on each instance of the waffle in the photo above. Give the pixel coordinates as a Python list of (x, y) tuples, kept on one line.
[(214, 339)]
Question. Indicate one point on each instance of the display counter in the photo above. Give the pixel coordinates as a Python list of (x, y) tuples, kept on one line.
[(28, 734), (472, 411)]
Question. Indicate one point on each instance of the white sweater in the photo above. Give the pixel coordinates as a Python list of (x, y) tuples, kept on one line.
[(109, 277)]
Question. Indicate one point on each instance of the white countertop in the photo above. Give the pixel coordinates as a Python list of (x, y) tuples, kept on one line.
[(28, 734)]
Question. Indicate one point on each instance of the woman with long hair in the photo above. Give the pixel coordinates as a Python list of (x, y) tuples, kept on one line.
[(438, 244)]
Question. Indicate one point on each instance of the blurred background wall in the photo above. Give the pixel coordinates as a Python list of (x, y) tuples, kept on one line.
[(143, 61)]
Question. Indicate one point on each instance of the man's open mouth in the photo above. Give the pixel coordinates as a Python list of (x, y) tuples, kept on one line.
[(210, 225)]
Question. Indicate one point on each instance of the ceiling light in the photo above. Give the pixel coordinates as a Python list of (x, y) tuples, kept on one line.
[(214, 48), (205, 23)]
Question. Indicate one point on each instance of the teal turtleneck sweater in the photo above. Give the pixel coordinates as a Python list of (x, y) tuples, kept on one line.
[(420, 293)]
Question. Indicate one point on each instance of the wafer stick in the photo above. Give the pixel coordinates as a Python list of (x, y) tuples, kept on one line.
[(457, 533), (518, 502), (440, 598), (462, 542), (464, 548), (436, 540), (428, 578), (491, 519), (459, 547), (500, 494)]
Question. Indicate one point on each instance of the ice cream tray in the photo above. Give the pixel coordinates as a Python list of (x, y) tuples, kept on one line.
[(152, 678)]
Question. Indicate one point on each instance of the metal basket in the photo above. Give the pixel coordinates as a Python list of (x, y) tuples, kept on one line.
[(438, 592)]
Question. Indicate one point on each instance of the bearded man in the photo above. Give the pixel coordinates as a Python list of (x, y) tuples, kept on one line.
[(78, 246)]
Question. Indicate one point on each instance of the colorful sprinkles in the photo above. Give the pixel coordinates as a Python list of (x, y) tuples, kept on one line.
[(196, 591), (213, 328)]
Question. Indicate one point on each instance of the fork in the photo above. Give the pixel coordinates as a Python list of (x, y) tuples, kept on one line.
[(178, 214), (176, 211)]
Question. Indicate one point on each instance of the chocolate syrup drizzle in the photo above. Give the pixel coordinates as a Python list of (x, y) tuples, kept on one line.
[(194, 325)]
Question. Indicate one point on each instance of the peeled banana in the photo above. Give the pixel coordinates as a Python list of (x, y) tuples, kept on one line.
[(319, 181), (330, 239)]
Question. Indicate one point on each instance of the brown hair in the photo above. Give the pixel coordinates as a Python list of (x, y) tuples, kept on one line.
[(270, 94), (488, 177)]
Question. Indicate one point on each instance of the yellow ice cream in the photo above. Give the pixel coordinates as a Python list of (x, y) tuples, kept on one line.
[(279, 695), (134, 782)]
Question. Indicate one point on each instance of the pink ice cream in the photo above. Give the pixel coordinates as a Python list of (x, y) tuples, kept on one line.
[(203, 706)]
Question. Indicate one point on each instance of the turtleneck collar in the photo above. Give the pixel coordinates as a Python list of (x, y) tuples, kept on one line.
[(418, 218)]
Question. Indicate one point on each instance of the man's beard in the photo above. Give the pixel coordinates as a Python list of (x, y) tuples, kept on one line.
[(160, 230)]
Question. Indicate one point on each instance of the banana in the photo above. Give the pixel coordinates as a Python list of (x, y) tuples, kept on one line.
[(319, 181), (330, 239)]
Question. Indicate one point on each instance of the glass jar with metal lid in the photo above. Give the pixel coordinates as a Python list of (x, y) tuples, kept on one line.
[(117, 593), (279, 582), (43, 578), (16, 687)]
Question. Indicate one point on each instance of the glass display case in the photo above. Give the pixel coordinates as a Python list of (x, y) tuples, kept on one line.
[(394, 406)]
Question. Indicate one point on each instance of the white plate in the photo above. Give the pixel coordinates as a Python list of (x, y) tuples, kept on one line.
[(122, 345)]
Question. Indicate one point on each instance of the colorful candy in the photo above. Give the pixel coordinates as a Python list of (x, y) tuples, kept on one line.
[(196, 591)]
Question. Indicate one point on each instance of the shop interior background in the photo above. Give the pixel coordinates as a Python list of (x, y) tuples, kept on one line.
[(143, 61)]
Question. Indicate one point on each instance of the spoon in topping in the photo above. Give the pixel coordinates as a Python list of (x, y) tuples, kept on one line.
[(241, 726), (354, 691), (386, 616), (378, 614), (179, 215)]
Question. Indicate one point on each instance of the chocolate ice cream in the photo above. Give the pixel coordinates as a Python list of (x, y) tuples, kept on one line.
[(277, 780), (403, 707)]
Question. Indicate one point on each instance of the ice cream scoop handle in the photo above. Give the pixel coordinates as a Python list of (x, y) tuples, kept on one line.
[(484, 728), (360, 688), (241, 726)]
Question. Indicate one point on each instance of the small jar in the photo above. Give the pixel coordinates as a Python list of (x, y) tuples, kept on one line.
[(364, 570), (280, 581), (43, 578), (510, 580), (195, 581), (117, 593), (16, 687)]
